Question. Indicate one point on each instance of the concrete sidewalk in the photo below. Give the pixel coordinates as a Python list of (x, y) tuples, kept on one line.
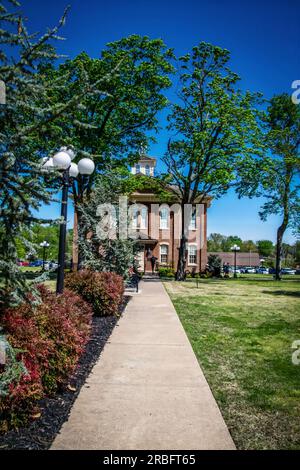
[(147, 390)]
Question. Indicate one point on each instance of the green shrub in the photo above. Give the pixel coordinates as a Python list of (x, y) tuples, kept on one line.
[(103, 290), (166, 272), (214, 265)]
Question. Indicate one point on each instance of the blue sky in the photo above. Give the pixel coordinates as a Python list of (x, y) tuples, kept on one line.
[(263, 37)]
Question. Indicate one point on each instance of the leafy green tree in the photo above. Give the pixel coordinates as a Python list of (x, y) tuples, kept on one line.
[(265, 247), (248, 245), (230, 241), (216, 128), (276, 176), (219, 242), (31, 239), (289, 253), (215, 241), (113, 127), (131, 183)]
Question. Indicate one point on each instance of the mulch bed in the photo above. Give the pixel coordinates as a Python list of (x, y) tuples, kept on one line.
[(40, 434)]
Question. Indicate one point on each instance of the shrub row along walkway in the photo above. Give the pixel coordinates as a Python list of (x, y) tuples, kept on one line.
[(147, 391)]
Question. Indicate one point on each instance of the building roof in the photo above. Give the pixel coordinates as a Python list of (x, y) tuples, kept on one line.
[(146, 158)]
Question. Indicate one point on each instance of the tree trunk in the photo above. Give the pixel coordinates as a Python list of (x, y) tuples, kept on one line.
[(278, 254), (180, 273), (280, 233)]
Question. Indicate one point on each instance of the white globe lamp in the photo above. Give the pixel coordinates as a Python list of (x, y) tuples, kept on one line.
[(62, 160), (71, 153), (47, 163), (86, 166), (73, 170)]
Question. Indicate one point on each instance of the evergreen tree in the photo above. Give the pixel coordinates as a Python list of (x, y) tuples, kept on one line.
[(101, 246), (214, 263), (29, 130)]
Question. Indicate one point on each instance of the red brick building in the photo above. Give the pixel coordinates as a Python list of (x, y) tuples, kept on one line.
[(157, 226)]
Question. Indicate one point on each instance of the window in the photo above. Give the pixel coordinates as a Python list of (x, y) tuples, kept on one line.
[(137, 168), (135, 218), (147, 170), (139, 218), (192, 225), (192, 251), (164, 218), (164, 254), (144, 214)]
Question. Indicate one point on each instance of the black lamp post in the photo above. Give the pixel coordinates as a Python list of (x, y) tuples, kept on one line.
[(235, 249), (44, 245), (62, 233), (62, 161)]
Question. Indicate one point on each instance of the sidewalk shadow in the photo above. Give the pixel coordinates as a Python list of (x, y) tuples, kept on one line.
[(283, 292)]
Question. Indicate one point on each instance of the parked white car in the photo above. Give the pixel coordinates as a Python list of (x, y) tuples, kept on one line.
[(248, 270), (51, 266), (262, 271), (288, 271), (238, 270)]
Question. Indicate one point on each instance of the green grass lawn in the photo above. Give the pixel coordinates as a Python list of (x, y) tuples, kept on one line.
[(51, 284), (242, 331), (30, 269), (33, 273)]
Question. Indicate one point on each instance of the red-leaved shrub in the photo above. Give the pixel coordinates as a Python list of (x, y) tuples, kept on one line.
[(49, 339), (104, 291)]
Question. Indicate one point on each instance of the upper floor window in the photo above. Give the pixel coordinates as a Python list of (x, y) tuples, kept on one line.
[(192, 225), (164, 249), (137, 168), (147, 170), (144, 213), (139, 218), (135, 218), (164, 218), (192, 253)]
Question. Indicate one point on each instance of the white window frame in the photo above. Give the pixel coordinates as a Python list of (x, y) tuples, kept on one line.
[(194, 254), (193, 221), (139, 218), (135, 219), (164, 245), (144, 218), (164, 221), (137, 168), (147, 170)]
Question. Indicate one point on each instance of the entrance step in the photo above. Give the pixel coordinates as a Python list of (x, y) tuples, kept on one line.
[(150, 276)]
